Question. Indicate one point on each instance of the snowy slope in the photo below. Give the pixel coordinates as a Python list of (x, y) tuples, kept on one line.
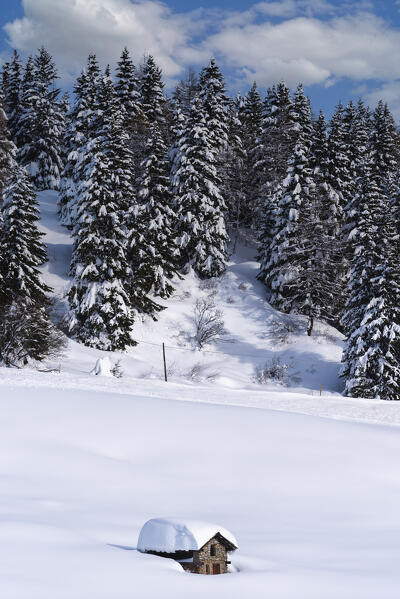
[(249, 320), (224, 371)]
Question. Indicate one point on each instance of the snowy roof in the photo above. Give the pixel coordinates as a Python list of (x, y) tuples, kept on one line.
[(168, 535)]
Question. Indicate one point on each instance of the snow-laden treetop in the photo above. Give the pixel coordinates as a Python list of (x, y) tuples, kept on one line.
[(169, 535)]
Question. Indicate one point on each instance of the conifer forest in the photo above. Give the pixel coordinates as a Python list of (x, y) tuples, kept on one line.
[(153, 186)]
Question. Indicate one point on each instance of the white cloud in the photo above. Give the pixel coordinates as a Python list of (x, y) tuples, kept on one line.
[(291, 8), (311, 50), (311, 41), (71, 29), (285, 8)]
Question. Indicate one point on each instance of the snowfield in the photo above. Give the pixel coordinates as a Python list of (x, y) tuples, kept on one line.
[(312, 502), (308, 484)]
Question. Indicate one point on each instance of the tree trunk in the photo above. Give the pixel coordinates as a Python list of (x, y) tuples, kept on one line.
[(310, 325)]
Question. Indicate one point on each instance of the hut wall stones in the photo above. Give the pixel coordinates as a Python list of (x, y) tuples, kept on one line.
[(212, 558)]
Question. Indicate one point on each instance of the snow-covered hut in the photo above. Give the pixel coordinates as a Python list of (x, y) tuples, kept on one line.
[(200, 547)]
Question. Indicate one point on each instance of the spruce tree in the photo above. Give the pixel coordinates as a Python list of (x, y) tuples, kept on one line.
[(186, 91), (357, 120), (320, 234), (7, 150), (274, 149), (251, 120), (152, 93), (5, 77), (24, 135), (101, 313), (340, 180), (65, 108), (73, 141), (153, 247), (372, 319), (26, 330), (40, 123), (49, 123), (233, 172), (289, 256), (12, 93), (22, 249), (371, 355), (277, 138), (214, 104), (339, 174), (79, 134), (199, 205), (127, 89)]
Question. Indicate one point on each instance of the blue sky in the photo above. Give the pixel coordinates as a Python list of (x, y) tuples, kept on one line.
[(337, 48)]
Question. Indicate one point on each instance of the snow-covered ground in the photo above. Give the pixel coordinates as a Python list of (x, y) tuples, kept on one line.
[(313, 502), (312, 497)]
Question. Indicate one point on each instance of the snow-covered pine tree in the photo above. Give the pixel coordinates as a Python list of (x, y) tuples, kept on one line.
[(101, 311), (40, 123), (340, 180), (123, 178), (22, 249), (127, 88), (65, 108), (79, 132), (350, 125), (290, 257), (8, 150), (272, 154), (154, 252), (339, 173), (177, 128), (371, 357), (73, 140), (233, 172), (26, 330), (25, 125), (215, 105), (358, 123), (199, 205), (277, 139), (250, 116), (152, 97), (186, 91), (320, 234), (5, 77), (49, 123), (12, 91), (386, 148)]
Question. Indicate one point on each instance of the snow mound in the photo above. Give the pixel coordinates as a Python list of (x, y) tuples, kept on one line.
[(170, 535)]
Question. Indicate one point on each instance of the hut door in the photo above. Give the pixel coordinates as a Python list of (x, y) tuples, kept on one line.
[(216, 569)]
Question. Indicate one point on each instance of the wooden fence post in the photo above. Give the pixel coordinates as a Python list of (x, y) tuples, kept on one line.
[(165, 363)]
